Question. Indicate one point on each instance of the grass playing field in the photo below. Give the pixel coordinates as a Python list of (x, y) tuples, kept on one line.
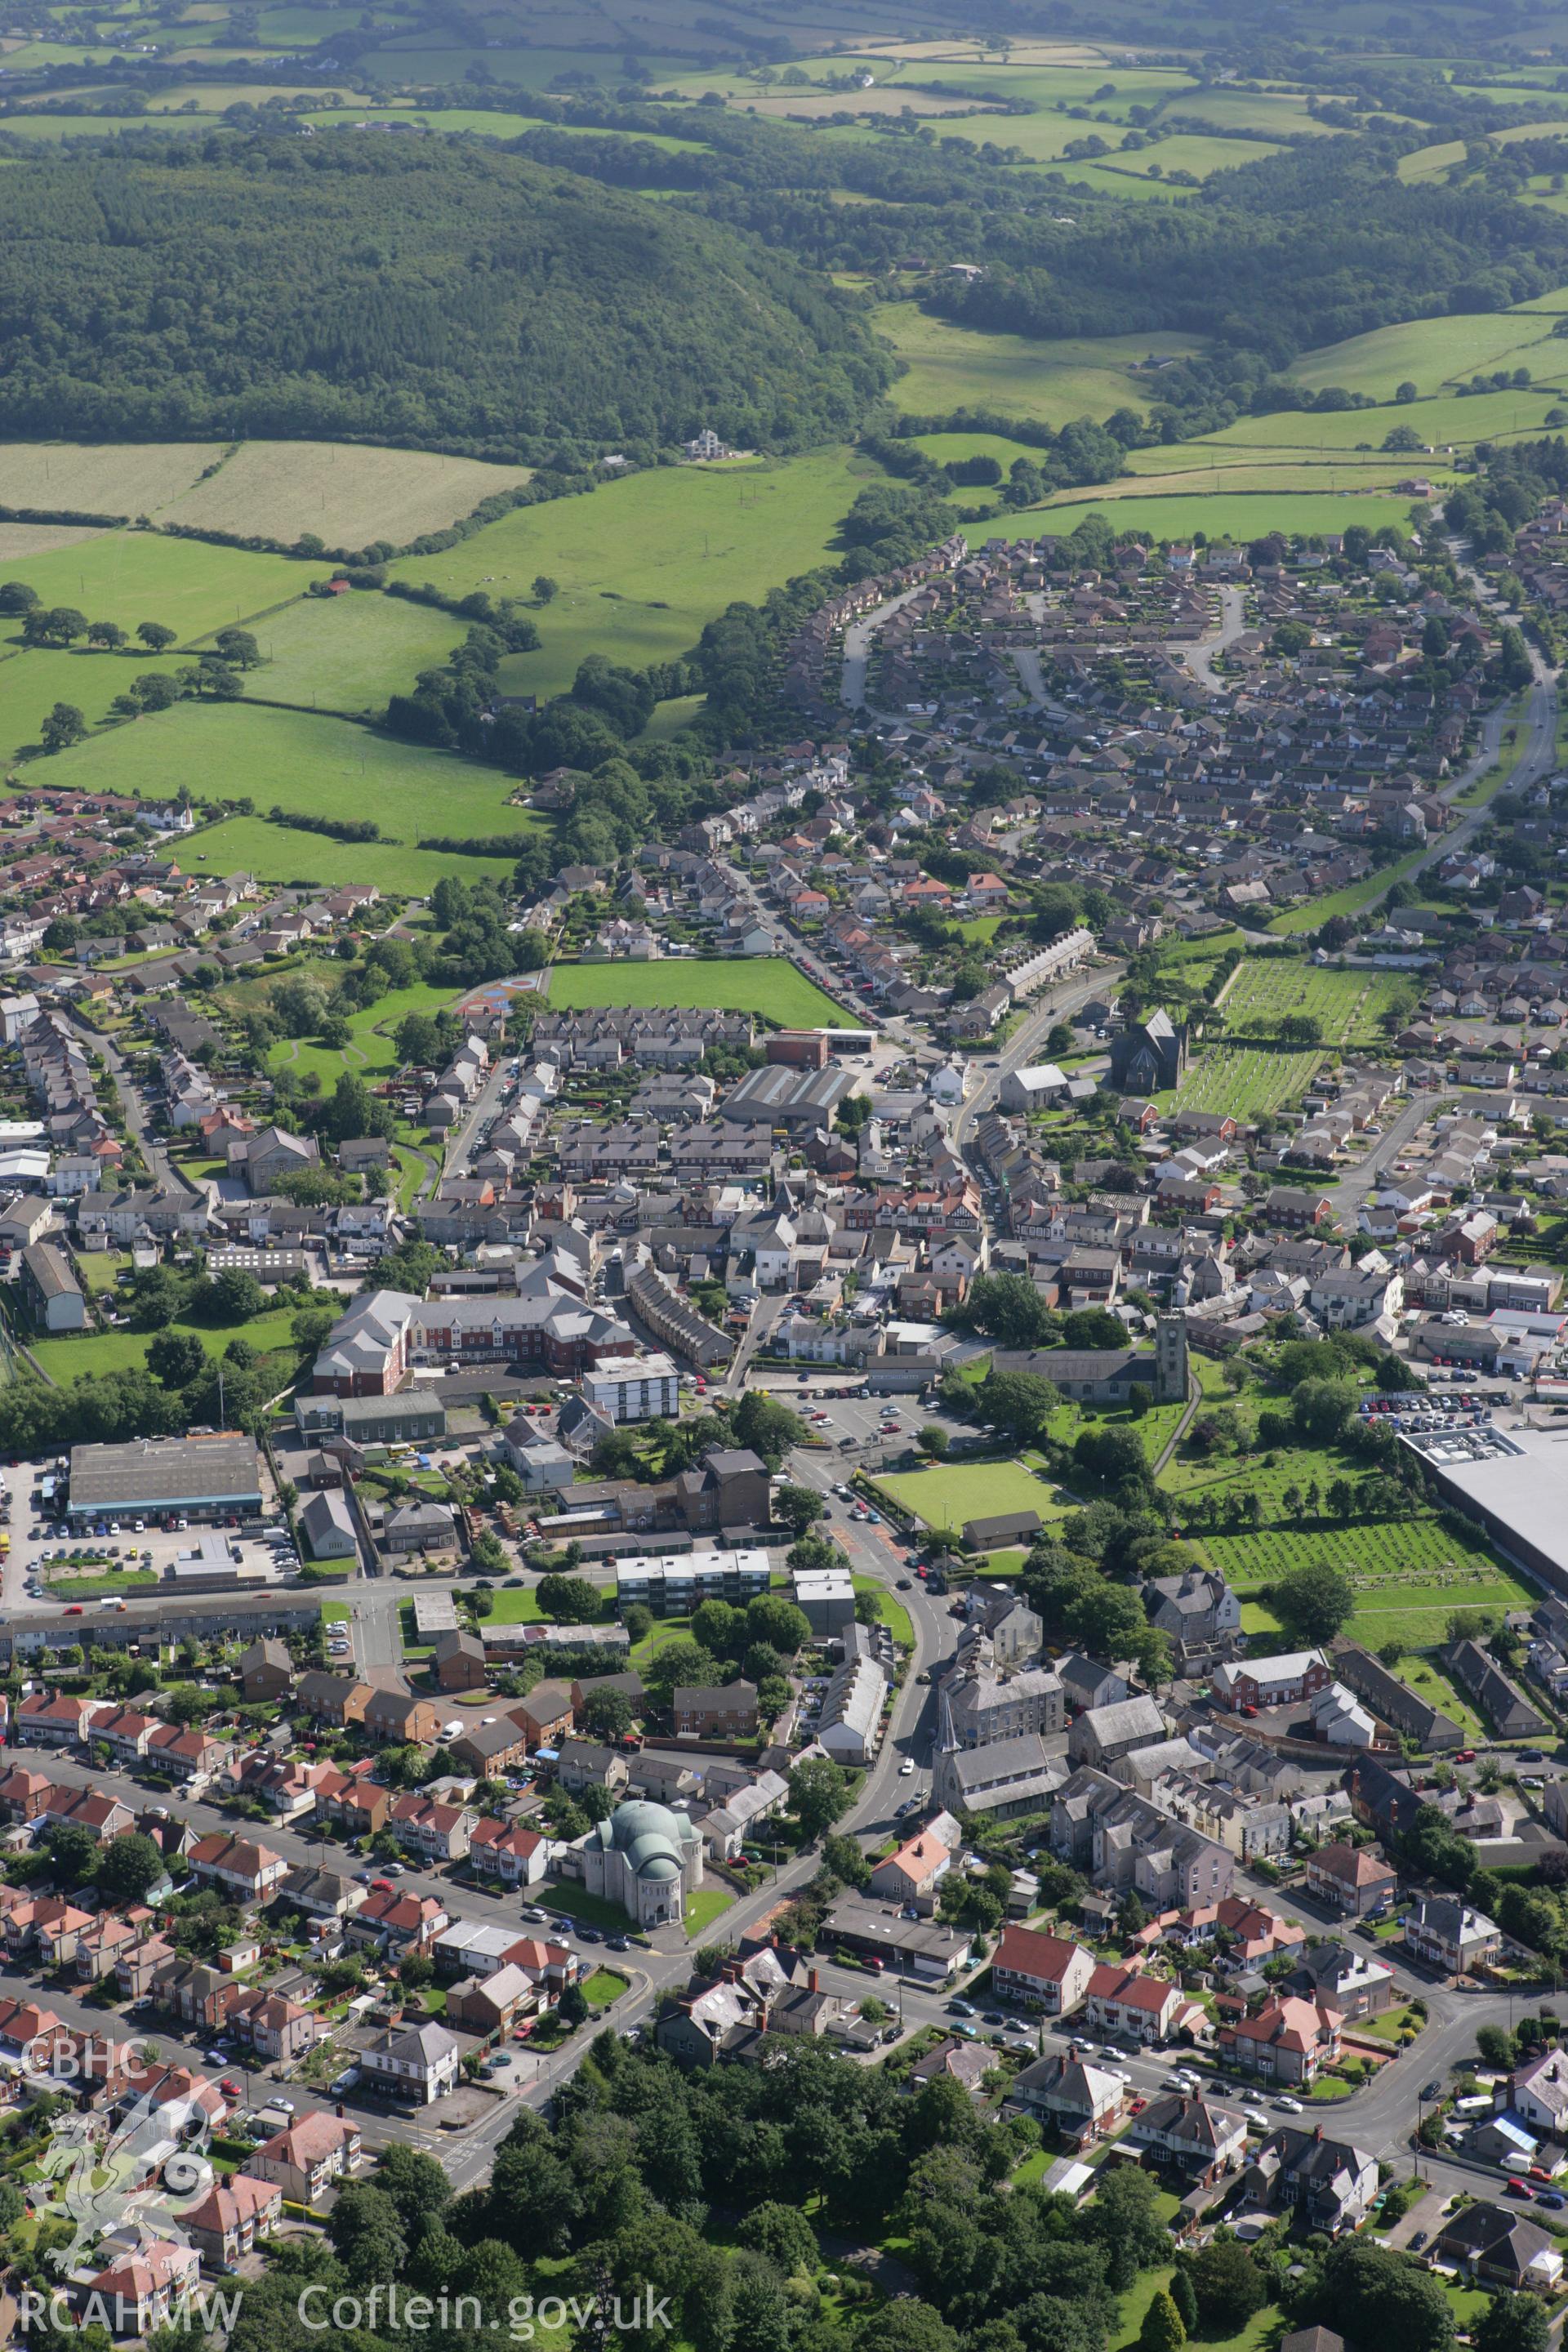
[(945, 1496), (766, 984), (351, 653), (131, 576), (642, 564)]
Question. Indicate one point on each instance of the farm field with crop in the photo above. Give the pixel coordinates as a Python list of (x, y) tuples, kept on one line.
[(347, 494), (643, 564), (952, 366), (351, 653), (131, 576), (1246, 1081), (100, 477), (766, 984)]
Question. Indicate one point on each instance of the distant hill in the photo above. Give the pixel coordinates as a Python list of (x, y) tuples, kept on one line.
[(414, 291)]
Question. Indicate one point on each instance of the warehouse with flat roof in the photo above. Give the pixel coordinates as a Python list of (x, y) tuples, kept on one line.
[(198, 1477)]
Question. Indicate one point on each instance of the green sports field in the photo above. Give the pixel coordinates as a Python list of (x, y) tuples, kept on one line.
[(131, 576), (765, 984), (946, 1497)]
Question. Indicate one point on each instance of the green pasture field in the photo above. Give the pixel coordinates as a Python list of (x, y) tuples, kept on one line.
[(1431, 353), (1053, 380), (131, 576), (1238, 516), (1259, 478), (1265, 111), (643, 564), (96, 1353), (1430, 162), (351, 653), (31, 683), (1244, 1081), (1265, 992), (1190, 151), (276, 853), (944, 1498), (1443, 422), (320, 766), (766, 984), (347, 494), (1409, 1575)]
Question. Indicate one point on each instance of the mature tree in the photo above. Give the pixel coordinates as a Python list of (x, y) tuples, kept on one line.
[(796, 1507), (1228, 2285), (130, 1867), (64, 726), (607, 1714), (176, 1358), (819, 1794), (1514, 2323), (1377, 2297), (1313, 1600), (1124, 2218), (569, 1600), (1163, 2329)]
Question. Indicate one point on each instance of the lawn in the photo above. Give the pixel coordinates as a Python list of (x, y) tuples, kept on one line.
[(94, 1353), (1237, 515), (894, 1615), (131, 576), (945, 1496), (644, 563), (765, 984), (348, 496), (704, 1907), (370, 1052), (1053, 380), (351, 653)]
